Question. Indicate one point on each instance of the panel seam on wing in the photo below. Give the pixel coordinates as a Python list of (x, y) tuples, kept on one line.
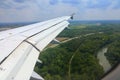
[(33, 45)]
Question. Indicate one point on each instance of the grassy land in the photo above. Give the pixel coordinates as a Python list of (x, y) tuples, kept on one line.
[(78, 27)]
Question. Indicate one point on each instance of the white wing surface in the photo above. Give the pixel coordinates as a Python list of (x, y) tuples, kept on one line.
[(20, 47)]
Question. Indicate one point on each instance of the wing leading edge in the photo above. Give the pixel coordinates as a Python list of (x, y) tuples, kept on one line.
[(21, 47)]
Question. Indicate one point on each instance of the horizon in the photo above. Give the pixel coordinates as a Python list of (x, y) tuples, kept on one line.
[(88, 21)]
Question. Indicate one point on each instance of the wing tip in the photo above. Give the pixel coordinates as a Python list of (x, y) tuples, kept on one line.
[(72, 15)]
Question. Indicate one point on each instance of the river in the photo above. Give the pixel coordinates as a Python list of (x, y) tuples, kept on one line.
[(103, 60)]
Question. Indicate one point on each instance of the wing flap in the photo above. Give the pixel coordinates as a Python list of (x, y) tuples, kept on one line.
[(35, 76), (7, 46), (14, 61), (42, 39)]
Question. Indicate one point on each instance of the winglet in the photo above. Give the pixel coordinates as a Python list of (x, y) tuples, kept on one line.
[(72, 15)]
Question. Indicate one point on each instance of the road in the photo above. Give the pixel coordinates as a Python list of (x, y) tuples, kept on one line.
[(54, 45)]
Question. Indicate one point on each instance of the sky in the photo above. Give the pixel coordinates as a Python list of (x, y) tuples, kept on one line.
[(40, 10)]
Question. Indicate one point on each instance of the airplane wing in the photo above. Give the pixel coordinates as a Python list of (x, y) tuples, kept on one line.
[(20, 47)]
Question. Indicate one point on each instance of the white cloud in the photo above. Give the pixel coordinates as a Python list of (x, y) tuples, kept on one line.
[(96, 14), (35, 11), (38, 10)]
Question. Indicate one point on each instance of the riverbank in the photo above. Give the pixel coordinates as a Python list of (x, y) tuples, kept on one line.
[(103, 60)]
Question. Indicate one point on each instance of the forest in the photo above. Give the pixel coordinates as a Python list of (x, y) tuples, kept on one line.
[(113, 53), (76, 59)]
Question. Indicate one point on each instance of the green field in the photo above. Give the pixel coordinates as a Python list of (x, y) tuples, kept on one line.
[(78, 27)]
